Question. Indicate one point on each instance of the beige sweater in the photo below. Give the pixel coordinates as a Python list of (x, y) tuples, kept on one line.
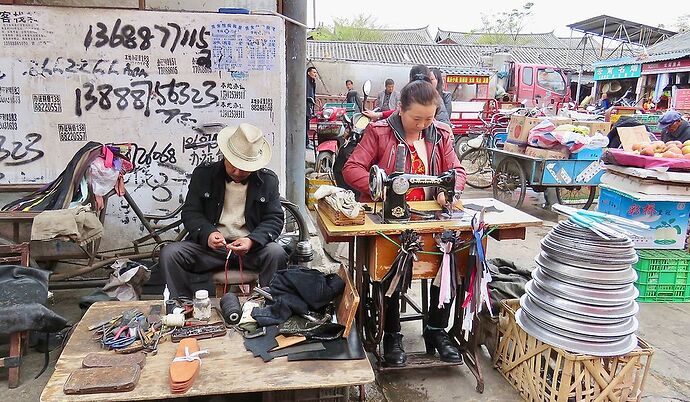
[(231, 223)]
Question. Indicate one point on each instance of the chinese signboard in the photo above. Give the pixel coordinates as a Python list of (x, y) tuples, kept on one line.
[(682, 99), (466, 79), (612, 73), (666, 66)]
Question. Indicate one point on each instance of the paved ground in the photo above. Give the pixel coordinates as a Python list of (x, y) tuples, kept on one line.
[(665, 326)]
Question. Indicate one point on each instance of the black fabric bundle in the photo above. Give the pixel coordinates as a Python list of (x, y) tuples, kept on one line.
[(230, 308), (298, 290), (399, 277), (508, 281), (23, 293)]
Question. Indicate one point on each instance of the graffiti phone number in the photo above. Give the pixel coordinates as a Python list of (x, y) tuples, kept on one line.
[(138, 95)]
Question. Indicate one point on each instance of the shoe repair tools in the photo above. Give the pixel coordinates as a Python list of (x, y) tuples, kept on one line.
[(199, 332)]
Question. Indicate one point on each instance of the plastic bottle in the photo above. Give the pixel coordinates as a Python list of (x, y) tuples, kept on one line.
[(202, 305)]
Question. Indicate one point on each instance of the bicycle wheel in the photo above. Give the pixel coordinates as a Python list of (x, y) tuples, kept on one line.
[(461, 145), (294, 228), (477, 164), (509, 183), (577, 197)]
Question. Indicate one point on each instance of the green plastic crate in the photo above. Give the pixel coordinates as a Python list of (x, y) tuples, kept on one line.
[(663, 276)]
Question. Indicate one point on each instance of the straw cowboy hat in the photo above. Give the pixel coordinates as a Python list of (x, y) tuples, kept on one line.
[(245, 147)]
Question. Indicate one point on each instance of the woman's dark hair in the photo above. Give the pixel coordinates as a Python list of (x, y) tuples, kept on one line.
[(418, 91), (439, 79), (419, 72)]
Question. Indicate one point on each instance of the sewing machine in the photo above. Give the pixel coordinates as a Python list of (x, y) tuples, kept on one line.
[(392, 189)]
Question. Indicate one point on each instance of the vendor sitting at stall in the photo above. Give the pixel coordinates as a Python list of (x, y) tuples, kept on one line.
[(673, 127), (430, 151), (232, 205)]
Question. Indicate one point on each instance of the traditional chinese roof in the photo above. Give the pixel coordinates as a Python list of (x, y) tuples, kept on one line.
[(443, 55), (533, 40), (407, 35), (675, 47)]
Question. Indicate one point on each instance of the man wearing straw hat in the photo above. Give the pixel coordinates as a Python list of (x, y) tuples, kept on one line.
[(232, 206)]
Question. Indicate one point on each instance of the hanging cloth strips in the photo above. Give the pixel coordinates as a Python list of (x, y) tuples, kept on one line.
[(446, 278), (477, 290), (399, 277)]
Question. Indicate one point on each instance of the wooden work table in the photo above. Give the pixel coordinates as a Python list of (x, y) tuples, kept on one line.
[(371, 255), (227, 369), (509, 223)]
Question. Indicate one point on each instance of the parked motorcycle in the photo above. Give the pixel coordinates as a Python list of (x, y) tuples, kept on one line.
[(359, 124), (332, 125)]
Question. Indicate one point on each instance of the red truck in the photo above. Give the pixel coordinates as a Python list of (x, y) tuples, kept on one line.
[(537, 85)]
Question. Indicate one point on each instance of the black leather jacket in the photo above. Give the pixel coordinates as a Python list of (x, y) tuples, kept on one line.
[(204, 203)]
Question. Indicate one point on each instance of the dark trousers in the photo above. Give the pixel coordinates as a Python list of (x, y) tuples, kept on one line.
[(180, 258), (437, 317)]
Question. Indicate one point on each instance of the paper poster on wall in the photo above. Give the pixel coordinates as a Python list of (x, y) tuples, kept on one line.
[(157, 80)]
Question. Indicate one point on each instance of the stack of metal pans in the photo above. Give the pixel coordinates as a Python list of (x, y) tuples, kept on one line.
[(581, 297)]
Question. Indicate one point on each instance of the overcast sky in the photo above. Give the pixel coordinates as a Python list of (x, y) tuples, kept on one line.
[(464, 15)]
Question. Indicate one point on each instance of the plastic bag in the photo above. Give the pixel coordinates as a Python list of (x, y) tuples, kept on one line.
[(102, 178), (127, 281)]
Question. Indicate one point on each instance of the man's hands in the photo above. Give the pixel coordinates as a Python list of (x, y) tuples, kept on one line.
[(241, 246), (216, 240)]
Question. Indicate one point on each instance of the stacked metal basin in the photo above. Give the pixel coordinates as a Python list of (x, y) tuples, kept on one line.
[(581, 297)]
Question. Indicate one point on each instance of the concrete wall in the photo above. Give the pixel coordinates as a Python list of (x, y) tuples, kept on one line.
[(172, 5)]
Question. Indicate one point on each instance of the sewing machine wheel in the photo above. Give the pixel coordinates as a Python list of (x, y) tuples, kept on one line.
[(371, 314), (377, 178), (509, 183)]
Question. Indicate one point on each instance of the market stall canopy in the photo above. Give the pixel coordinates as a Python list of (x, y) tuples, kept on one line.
[(622, 30)]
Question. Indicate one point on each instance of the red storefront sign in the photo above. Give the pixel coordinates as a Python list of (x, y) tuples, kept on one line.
[(682, 99), (466, 79), (671, 66)]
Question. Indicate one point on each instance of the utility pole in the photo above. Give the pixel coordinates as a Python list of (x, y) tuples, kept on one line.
[(295, 104)]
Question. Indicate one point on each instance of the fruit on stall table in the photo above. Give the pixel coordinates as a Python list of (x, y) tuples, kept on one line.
[(685, 150), (674, 149), (647, 151), (686, 143), (686, 156), (676, 143), (638, 146), (671, 154), (659, 146)]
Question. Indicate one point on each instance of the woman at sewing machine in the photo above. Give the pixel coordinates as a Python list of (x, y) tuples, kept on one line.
[(429, 151)]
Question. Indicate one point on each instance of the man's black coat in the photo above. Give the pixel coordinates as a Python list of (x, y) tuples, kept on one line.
[(204, 203)]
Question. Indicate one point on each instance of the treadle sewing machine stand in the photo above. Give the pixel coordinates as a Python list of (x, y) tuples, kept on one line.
[(371, 255)]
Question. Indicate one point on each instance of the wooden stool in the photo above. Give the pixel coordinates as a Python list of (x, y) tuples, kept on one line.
[(17, 253), (248, 278)]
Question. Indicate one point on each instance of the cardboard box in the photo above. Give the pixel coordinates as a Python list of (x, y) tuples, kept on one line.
[(668, 220), (633, 135), (588, 154), (515, 148), (602, 126), (518, 129), (555, 153)]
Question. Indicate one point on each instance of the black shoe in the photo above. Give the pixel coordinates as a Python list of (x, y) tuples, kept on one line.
[(438, 339), (393, 352)]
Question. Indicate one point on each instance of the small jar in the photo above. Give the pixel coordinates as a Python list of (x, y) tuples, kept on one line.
[(202, 305)]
